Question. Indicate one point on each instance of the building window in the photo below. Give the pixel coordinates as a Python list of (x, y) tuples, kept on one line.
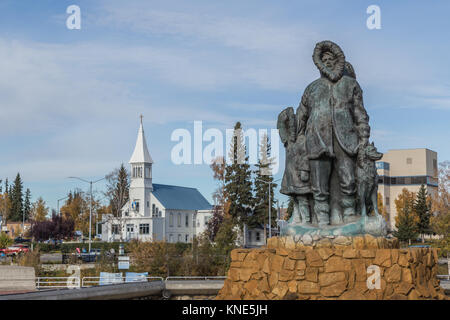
[(382, 165), (144, 228), (148, 204), (179, 220), (115, 229), (171, 220), (194, 217), (179, 238), (135, 205), (258, 236), (186, 222), (186, 238), (408, 160), (153, 208), (130, 228), (206, 220)]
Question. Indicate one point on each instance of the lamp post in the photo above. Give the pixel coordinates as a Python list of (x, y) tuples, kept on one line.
[(57, 204), (270, 205), (90, 205)]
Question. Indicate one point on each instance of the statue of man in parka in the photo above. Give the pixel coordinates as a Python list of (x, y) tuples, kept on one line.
[(335, 124)]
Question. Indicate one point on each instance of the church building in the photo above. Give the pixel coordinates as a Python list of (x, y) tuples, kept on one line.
[(156, 212)]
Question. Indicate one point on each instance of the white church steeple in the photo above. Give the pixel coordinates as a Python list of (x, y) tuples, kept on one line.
[(141, 163), (141, 154)]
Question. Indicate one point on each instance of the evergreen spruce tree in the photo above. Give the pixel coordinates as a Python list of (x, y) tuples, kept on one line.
[(6, 186), (290, 209), (406, 223), (263, 175), (27, 205), (17, 199), (238, 183), (422, 208)]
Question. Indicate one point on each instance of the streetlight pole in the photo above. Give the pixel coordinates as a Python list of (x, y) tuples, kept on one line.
[(90, 205), (270, 205), (57, 204)]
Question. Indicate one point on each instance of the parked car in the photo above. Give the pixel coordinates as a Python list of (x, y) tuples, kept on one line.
[(15, 250), (21, 240), (53, 241)]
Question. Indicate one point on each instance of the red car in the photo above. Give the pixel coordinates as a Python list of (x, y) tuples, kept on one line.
[(15, 250)]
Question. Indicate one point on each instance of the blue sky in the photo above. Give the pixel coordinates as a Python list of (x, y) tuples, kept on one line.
[(71, 99)]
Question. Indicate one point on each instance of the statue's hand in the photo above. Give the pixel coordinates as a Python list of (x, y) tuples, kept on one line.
[(304, 175)]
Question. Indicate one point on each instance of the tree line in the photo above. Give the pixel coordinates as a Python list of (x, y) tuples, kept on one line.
[(15, 204), (242, 194), (423, 214)]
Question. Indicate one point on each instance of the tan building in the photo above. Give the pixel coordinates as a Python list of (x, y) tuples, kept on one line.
[(405, 168)]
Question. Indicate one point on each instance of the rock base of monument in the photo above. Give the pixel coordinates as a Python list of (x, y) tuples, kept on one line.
[(353, 272)]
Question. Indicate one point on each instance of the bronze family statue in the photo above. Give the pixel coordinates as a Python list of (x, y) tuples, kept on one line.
[(330, 168)]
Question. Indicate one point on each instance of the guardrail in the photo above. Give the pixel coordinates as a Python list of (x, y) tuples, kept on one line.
[(97, 281), (195, 278), (43, 283), (57, 282)]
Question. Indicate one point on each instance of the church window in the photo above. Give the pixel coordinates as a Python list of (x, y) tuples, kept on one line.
[(179, 220), (194, 217), (115, 229), (206, 220), (148, 204), (171, 220), (144, 228), (130, 228), (147, 172), (186, 238), (258, 236), (153, 208), (135, 205), (187, 220)]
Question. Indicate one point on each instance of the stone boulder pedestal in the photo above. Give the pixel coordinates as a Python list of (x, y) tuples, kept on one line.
[(364, 268)]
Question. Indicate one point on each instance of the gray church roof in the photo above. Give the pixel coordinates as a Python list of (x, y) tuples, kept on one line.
[(181, 198)]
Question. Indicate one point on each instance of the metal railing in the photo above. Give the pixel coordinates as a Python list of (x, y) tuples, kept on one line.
[(57, 282), (72, 282), (174, 278), (100, 281)]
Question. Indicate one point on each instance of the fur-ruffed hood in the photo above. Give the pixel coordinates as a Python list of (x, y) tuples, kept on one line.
[(321, 47)]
